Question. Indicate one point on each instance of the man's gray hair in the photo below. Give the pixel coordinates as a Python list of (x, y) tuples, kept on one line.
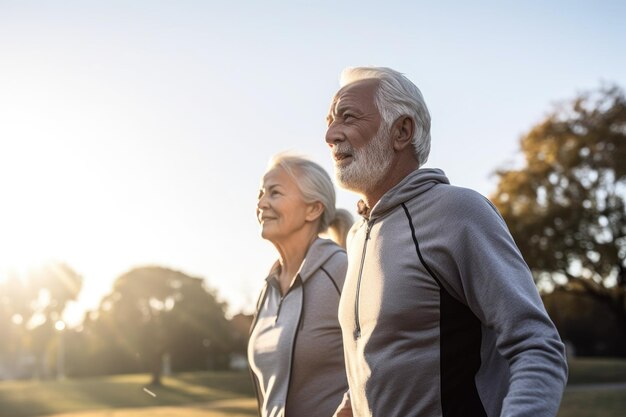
[(397, 96)]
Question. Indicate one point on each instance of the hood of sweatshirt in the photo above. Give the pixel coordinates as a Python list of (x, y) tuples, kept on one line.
[(320, 251), (416, 183)]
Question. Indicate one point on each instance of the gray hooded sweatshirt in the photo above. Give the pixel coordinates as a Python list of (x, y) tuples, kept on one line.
[(295, 350), (439, 312)]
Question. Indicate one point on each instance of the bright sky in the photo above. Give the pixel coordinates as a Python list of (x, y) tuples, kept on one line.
[(135, 133)]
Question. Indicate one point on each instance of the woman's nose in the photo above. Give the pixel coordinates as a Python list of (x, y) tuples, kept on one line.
[(261, 203)]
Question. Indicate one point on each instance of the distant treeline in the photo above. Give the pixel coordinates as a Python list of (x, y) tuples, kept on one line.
[(154, 320)]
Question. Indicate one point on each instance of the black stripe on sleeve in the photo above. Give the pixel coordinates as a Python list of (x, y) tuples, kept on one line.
[(331, 280)]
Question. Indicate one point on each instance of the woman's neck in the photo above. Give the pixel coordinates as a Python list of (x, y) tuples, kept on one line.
[(292, 253)]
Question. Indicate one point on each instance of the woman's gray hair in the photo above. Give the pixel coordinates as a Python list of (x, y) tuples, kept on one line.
[(315, 185), (397, 96)]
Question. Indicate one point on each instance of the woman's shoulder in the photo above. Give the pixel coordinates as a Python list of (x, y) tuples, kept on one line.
[(335, 263), (331, 253)]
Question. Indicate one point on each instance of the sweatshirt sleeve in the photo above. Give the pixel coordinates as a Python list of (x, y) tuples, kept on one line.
[(484, 269)]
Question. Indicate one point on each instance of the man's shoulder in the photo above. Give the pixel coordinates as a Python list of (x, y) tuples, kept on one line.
[(455, 197), (453, 203)]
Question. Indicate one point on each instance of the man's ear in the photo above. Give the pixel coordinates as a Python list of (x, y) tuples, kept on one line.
[(402, 132), (314, 211)]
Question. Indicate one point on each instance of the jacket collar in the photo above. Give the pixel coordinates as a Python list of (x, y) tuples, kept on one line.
[(319, 252), (414, 184)]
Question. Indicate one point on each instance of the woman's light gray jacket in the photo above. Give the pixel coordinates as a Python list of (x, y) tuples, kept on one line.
[(295, 349)]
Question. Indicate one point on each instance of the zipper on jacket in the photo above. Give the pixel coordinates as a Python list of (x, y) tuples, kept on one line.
[(299, 326), (280, 303), (357, 327), (255, 319), (295, 337)]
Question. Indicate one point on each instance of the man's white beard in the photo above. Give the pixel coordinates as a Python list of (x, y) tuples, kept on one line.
[(369, 163)]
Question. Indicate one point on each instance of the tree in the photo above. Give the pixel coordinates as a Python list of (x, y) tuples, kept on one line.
[(586, 323), (50, 287), (13, 309), (30, 304), (154, 312), (566, 207)]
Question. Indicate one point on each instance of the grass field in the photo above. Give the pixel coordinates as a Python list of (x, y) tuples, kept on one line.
[(596, 371), (221, 408), (594, 403), (229, 394), (583, 400), (34, 398)]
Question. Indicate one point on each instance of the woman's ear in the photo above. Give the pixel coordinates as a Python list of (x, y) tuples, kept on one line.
[(402, 132), (314, 211)]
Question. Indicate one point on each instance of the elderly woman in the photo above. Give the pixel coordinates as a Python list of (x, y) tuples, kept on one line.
[(295, 349)]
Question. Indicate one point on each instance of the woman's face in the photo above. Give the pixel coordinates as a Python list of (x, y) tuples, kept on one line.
[(281, 211)]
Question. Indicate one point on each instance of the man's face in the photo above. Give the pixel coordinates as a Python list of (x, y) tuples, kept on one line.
[(358, 137)]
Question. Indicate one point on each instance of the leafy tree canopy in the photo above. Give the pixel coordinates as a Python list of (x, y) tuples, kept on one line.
[(566, 205), (155, 311)]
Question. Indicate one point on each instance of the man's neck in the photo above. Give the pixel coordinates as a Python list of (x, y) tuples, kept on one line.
[(396, 174)]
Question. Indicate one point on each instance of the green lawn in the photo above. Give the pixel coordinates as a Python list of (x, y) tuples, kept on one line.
[(593, 403), (33, 398), (229, 394), (596, 370)]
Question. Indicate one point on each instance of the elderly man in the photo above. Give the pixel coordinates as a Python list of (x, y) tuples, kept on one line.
[(439, 312)]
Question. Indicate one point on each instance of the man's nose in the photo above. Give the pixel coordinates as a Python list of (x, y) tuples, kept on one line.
[(333, 135)]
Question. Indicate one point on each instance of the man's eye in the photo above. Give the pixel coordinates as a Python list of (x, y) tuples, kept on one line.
[(348, 116)]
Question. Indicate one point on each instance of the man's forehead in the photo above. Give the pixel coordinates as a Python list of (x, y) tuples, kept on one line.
[(356, 90), (358, 93), (364, 83)]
